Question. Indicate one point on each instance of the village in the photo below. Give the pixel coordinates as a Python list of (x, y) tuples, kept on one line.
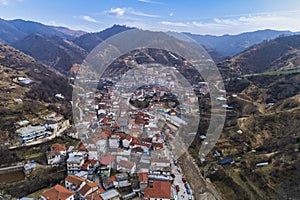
[(126, 153)]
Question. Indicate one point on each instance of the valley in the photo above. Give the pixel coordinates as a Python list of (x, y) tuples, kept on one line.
[(257, 155)]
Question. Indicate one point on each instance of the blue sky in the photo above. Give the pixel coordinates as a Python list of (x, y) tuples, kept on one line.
[(215, 17)]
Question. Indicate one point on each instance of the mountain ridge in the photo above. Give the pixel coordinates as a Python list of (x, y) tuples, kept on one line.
[(16, 29)]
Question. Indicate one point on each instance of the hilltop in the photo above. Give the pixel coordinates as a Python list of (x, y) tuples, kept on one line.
[(277, 54)]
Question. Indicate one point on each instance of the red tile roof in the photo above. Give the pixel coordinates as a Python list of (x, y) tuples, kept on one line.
[(128, 137), (143, 177), (107, 159), (95, 195), (113, 178), (58, 147), (57, 192), (157, 146), (75, 180), (160, 189), (82, 148), (84, 191)]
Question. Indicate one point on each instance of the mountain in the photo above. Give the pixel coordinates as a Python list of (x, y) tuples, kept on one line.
[(262, 127), (13, 30), (57, 52), (28, 90), (91, 40), (280, 53), (230, 45)]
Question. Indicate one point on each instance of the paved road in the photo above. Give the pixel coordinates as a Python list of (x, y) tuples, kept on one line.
[(177, 171), (201, 186), (11, 168), (182, 195)]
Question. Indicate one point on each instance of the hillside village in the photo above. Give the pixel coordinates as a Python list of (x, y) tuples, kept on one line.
[(124, 141), (126, 153)]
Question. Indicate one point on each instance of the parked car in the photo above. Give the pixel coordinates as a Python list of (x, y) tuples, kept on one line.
[(175, 162), (183, 179), (188, 191), (173, 175), (186, 186), (177, 188)]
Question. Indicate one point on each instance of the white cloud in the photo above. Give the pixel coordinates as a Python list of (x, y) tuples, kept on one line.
[(179, 24), (123, 11), (149, 1), (89, 18), (117, 11), (4, 2), (7, 2), (237, 24), (138, 13)]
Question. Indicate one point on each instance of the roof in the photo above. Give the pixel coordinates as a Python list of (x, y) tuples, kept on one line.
[(156, 160), (58, 147), (95, 195), (126, 164), (226, 161), (113, 178), (75, 180), (85, 189), (82, 148), (158, 145), (160, 190), (110, 194), (57, 192), (107, 159), (143, 177)]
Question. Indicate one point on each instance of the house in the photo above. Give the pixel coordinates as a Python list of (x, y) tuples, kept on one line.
[(82, 174), (56, 155), (75, 162), (221, 98), (126, 141), (108, 183), (106, 164), (159, 190), (226, 161), (122, 180), (108, 160), (88, 188), (143, 180), (114, 141), (74, 183), (31, 133), (62, 149), (110, 195), (58, 192), (160, 162), (145, 146), (54, 158), (261, 164), (90, 165), (95, 195), (129, 196), (29, 166), (126, 166)]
